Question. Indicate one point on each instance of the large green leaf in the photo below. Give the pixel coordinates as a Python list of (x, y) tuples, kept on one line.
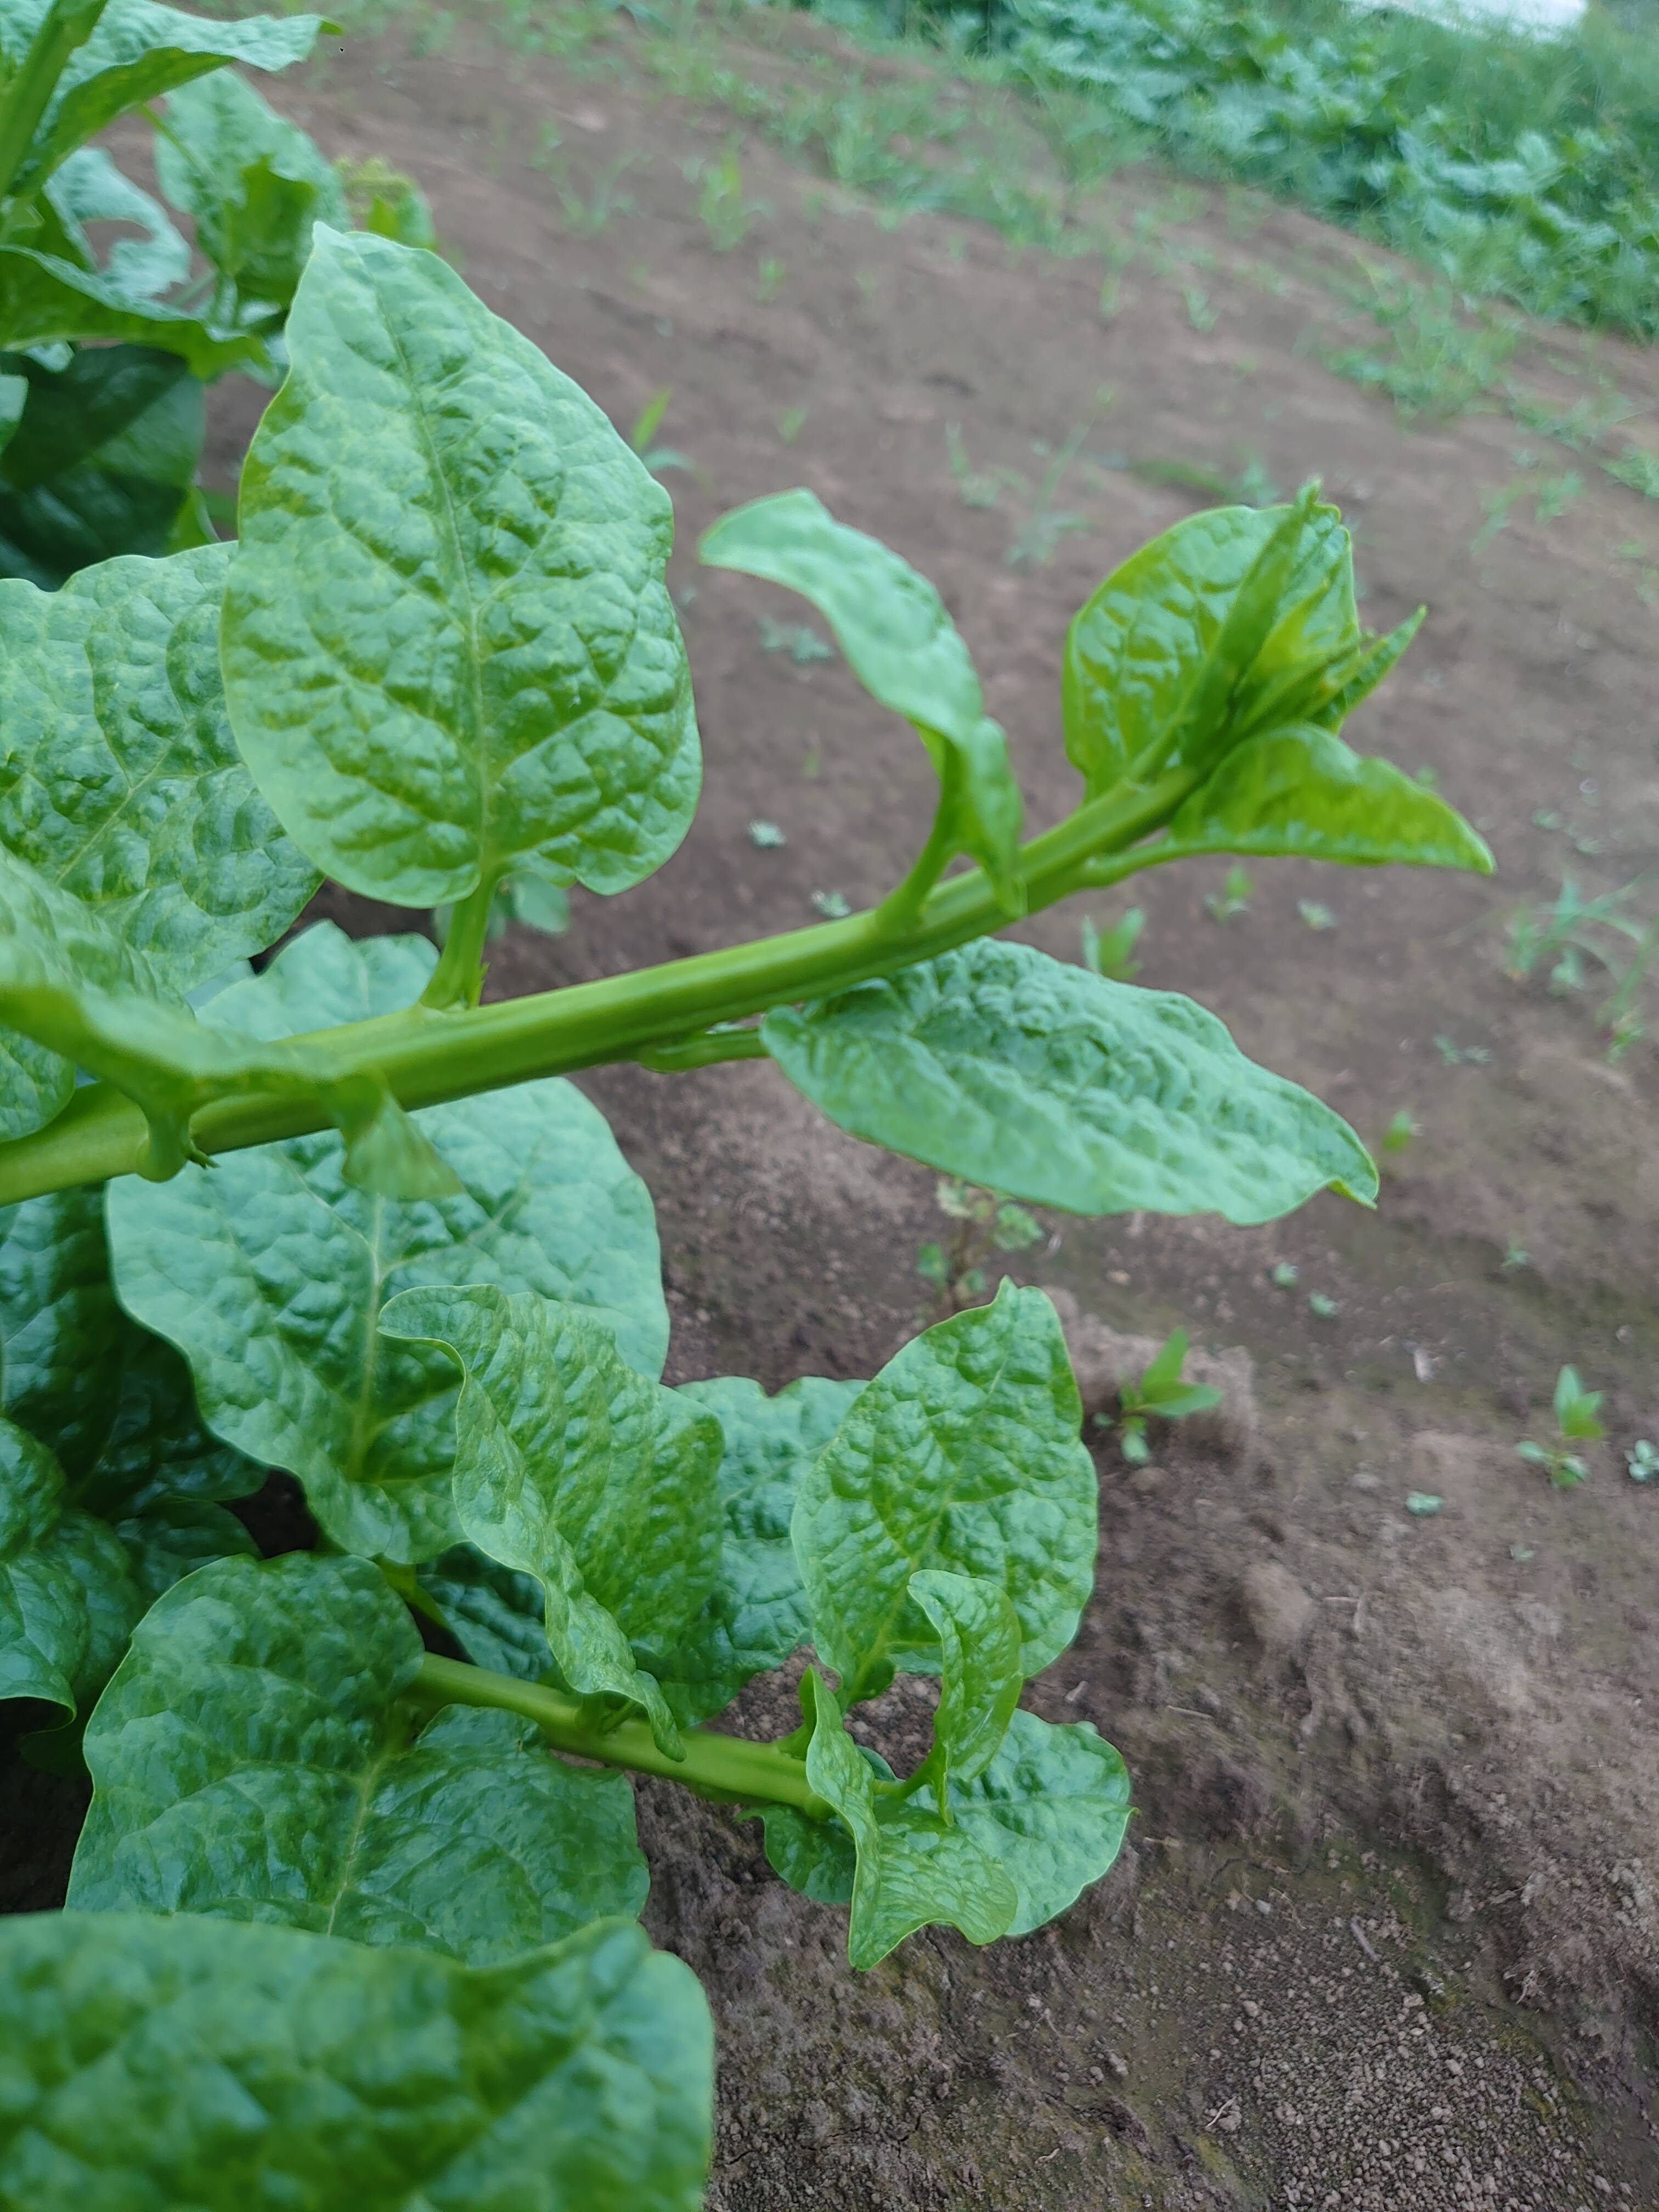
[(963, 1455), (156, 1446), (447, 643), (138, 51), (1009, 1069), (903, 647), (89, 188), (156, 2063), (121, 779), (62, 1335), (103, 459), (495, 1613), (47, 301), (1052, 1807), (252, 1758), (1301, 793), (912, 1869), (1166, 652), (756, 1614), (572, 1467), (68, 1595), (253, 183), (269, 1271)]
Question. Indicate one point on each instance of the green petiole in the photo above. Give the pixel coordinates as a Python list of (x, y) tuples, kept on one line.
[(723, 1767)]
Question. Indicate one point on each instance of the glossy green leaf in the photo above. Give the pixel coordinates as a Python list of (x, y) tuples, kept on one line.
[(253, 183), (981, 1667), (155, 2062), (899, 641), (138, 52), (447, 643), (1302, 794), (570, 1466), (1052, 1807), (1033, 1076), (1167, 651), (68, 1595), (89, 188), (756, 1614), (121, 779), (106, 452), (963, 1455), (913, 1870), (252, 1758), (166, 1537), (269, 1271), (46, 301)]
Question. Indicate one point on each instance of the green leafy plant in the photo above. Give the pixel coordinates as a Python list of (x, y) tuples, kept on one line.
[(1403, 1130), (343, 1219), (985, 1223), (1576, 1410), (104, 356), (1574, 930), (724, 212), (1641, 1460), (1160, 1394)]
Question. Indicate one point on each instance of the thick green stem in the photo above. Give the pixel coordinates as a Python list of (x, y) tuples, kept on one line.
[(66, 24), (724, 1766), (428, 1056)]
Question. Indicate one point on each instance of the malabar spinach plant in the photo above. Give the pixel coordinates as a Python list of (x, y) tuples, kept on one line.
[(340, 1931), (104, 353)]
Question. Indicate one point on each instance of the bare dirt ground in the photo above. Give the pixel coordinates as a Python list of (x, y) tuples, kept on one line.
[(1386, 1935)]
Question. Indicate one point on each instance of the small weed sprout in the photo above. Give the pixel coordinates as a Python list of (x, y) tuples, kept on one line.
[(726, 215), (1111, 952), (1400, 1131), (1576, 1422), (1641, 1460), (985, 1223), (1161, 1394), (1233, 897)]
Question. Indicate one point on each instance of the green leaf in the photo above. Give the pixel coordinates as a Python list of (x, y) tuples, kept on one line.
[(138, 51), (105, 455), (184, 2062), (913, 1870), (156, 1446), (447, 643), (1164, 658), (1301, 793), (169, 1537), (121, 779), (47, 301), (1052, 1807), (252, 1760), (253, 183), (891, 626), (1575, 1408), (756, 1614), (68, 1596), (981, 1668), (61, 1334), (269, 1271), (961, 1454), (1163, 1372), (1033, 1076), (570, 1466), (89, 188), (493, 1613)]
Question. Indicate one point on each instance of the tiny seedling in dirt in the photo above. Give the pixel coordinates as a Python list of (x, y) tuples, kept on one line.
[(1111, 951), (1636, 469), (832, 905), (726, 215), (1285, 1276), (768, 277), (1401, 1129), (1161, 1394), (1575, 932), (1233, 897), (791, 423), (642, 437), (976, 486), (767, 836), (1453, 1054), (1641, 1460), (799, 640), (1315, 915), (1423, 1504), (1576, 1410), (1322, 1307), (589, 213), (985, 1223), (1200, 313), (1515, 1256)]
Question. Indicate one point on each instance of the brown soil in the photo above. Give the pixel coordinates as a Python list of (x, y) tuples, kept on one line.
[(1386, 1935)]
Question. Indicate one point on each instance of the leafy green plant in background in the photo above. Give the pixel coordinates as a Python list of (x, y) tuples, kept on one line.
[(985, 1223), (1161, 1394), (103, 362), (1574, 930), (1576, 1421), (1111, 951), (340, 1218)]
